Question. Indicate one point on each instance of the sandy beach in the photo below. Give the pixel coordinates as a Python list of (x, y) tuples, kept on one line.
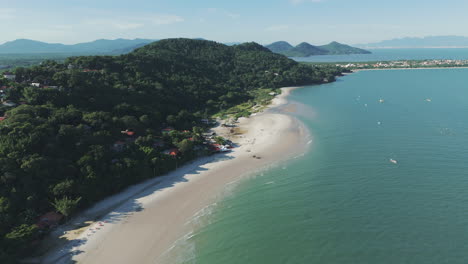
[(144, 221)]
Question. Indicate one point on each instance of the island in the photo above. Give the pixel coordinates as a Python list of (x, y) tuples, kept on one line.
[(305, 49)]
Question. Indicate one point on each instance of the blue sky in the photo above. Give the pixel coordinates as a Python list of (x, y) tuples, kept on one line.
[(315, 21)]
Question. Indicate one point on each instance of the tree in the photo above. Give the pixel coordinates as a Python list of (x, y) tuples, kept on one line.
[(185, 146), (66, 205)]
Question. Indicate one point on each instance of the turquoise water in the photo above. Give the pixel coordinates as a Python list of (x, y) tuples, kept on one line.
[(393, 54), (344, 201)]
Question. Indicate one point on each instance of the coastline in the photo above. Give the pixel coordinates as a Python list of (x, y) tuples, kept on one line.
[(145, 220), (421, 68)]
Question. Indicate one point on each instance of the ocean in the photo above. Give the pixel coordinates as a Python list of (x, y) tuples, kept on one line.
[(344, 201), (394, 54)]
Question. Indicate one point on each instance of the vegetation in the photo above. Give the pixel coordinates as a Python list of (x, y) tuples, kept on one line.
[(99, 124)]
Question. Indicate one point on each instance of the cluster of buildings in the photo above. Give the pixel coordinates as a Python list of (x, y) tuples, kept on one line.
[(405, 64), (209, 143)]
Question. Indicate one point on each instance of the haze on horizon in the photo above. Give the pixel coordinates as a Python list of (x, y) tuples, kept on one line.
[(314, 21)]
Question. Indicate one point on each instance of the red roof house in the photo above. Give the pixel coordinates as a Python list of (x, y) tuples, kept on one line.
[(172, 152)]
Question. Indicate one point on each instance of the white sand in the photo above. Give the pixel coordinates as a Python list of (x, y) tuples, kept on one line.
[(148, 218)]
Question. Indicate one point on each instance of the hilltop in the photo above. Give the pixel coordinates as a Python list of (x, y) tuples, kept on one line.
[(305, 49)]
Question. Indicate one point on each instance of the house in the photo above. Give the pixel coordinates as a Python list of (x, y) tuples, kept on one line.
[(36, 84), (48, 220), (220, 148), (171, 152), (2, 118), (205, 121), (10, 76), (128, 132), (51, 87), (70, 66)]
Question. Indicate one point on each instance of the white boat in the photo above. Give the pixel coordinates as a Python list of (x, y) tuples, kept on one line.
[(393, 161), (381, 100), (428, 100)]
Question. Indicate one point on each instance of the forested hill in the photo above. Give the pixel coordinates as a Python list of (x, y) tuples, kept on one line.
[(74, 133)]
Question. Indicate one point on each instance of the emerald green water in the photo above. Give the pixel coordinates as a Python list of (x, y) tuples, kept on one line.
[(344, 201)]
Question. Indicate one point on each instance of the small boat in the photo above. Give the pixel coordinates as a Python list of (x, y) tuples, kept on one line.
[(381, 100), (428, 100), (393, 161)]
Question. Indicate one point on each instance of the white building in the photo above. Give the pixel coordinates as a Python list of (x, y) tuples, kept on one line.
[(10, 76)]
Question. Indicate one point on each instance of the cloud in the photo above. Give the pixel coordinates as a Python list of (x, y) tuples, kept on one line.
[(277, 28), (116, 24), (166, 19), (296, 2), (126, 23), (7, 13)]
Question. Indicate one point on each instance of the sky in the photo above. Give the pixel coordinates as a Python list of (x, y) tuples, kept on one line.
[(262, 21)]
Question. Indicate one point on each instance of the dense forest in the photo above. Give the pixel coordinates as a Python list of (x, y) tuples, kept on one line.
[(73, 133)]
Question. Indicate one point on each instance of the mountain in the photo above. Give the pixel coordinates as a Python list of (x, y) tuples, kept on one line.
[(335, 48), (424, 42), (279, 46), (26, 46), (31, 46), (128, 49), (305, 49)]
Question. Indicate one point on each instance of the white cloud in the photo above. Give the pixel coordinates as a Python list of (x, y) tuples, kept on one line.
[(232, 15), (116, 24), (166, 19), (7, 13), (126, 23), (277, 28), (296, 2)]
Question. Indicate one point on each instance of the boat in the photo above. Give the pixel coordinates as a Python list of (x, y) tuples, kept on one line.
[(381, 100), (428, 100), (393, 161)]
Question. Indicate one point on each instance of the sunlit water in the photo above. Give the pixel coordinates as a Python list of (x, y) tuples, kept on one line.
[(344, 201)]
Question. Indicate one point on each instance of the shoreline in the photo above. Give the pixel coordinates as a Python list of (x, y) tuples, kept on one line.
[(421, 68), (144, 221)]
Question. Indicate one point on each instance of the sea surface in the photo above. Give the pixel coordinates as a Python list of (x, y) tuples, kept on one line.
[(344, 201), (394, 54)]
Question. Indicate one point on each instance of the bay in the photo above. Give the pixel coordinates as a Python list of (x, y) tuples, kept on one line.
[(344, 201)]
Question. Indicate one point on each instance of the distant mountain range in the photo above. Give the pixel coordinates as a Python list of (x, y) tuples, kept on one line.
[(25, 46), (425, 42), (305, 49)]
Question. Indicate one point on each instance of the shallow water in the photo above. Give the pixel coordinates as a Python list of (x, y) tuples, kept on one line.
[(344, 201)]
